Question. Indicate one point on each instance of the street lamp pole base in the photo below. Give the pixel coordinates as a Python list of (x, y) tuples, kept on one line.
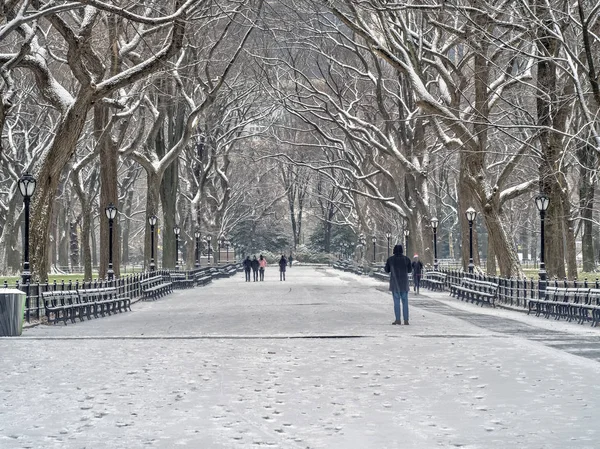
[(110, 274), (543, 281)]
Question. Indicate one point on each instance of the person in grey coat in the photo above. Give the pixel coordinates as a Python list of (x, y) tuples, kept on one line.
[(399, 266)]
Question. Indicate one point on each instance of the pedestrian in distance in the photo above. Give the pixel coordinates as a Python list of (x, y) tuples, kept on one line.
[(417, 272), (282, 267), (399, 267), (247, 268), (262, 264), (254, 265), (290, 260)]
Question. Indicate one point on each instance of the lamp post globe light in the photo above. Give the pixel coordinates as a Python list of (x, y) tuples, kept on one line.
[(406, 233), (27, 184), (111, 213), (197, 237), (177, 230), (542, 202), (471, 214), (388, 236), (152, 221), (434, 226), (374, 240)]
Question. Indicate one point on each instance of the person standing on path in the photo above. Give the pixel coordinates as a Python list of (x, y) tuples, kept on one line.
[(247, 268), (399, 266), (262, 264), (290, 260), (417, 269), (282, 266), (254, 265)]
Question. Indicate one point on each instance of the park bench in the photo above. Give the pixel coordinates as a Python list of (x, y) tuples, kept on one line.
[(60, 305), (202, 278), (230, 270), (180, 280), (381, 275), (475, 291), (581, 304), (101, 301), (434, 280), (155, 287)]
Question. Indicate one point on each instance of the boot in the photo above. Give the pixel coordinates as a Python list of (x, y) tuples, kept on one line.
[(397, 322), (405, 322)]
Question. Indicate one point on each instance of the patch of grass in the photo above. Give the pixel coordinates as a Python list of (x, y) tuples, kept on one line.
[(11, 280), (533, 273)]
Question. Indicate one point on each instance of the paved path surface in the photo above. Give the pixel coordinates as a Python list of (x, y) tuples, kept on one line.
[(312, 362)]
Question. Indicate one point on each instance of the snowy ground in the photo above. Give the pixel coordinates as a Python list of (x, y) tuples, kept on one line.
[(237, 365)]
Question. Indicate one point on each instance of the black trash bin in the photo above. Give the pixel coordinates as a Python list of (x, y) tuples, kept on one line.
[(12, 308)]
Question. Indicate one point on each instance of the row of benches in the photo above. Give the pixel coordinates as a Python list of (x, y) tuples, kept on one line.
[(580, 304), (65, 305), (70, 305)]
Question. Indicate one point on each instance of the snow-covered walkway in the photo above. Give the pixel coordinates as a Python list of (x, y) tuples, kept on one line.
[(312, 362)]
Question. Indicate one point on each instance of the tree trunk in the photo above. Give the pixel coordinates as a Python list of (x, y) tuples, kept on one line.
[(73, 245), (152, 202), (49, 171), (108, 192), (587, 160)]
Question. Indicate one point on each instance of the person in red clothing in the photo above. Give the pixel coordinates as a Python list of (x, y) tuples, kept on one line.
[(262, 264)]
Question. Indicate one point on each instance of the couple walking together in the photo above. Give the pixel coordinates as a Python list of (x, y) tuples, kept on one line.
[(257, 266)]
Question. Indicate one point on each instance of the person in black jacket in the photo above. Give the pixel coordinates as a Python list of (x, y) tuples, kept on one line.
[(247, 268), (282, 266), (254, 265), (399, 266), (417, 268)]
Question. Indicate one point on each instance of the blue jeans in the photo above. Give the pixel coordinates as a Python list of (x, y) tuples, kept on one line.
[(400, 296)]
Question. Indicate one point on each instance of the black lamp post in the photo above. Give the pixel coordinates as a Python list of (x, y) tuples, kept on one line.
[(374, 239), (27, 185), (227, 248), (388, 236), (542, 202), (197, 236), (209, 248), (152, 220), (406, 232), (111, 213), (177, 230), (434, 225), (471, 214)]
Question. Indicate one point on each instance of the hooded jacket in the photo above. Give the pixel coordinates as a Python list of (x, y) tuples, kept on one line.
[(398, 266)]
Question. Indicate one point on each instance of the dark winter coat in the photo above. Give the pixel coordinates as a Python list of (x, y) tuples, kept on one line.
[(282, 264), (417, 267), (254, 264), (247, 264), (399, 266)]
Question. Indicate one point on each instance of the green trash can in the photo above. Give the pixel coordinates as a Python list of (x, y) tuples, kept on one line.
[(12, 309)]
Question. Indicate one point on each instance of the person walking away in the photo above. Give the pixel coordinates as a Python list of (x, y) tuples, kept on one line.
[(417, 271), (254, 269), (247, 268), (290, 260), (262, 264), (282, 266), (399, 267)]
